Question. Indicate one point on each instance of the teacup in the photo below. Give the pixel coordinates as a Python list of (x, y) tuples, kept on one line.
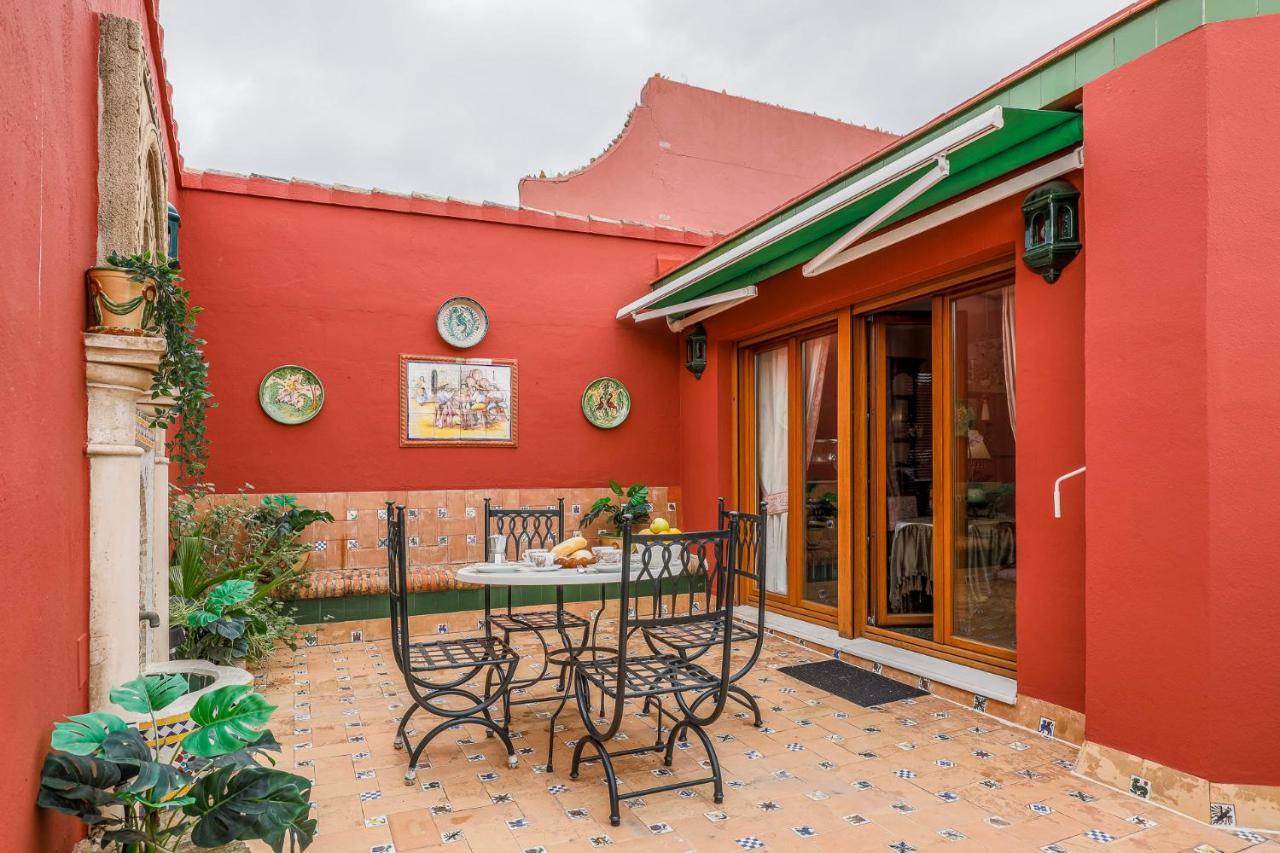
[(539, 557)]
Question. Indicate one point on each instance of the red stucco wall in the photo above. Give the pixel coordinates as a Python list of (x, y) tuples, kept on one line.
[(344, 291), (1050, 417), (48, 216), (1183, 450), (701, 159)]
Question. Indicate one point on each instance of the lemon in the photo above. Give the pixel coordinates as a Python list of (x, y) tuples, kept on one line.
[(674, 530), (659, 525)]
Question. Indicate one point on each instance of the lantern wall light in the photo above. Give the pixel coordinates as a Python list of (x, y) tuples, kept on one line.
[(695, 350), (1051, 219)]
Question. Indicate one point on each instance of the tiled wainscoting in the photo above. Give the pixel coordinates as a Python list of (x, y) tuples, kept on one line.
[(1215, 803), (444, 526)]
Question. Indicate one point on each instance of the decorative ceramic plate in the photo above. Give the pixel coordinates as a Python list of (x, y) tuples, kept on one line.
[(606, 402), (291, 394), (462, 322)]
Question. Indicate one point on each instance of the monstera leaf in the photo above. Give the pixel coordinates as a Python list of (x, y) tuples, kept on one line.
[(228, 594), (248, 756), (84, 733), (154, 781), (149, 693), (80, 786), (230, 718), (254, 802)]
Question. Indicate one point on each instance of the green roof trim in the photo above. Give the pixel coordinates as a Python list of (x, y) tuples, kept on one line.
[(1026, 136), (1123, 41)]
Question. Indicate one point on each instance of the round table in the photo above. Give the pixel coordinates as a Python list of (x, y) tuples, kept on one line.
[(523, 574)]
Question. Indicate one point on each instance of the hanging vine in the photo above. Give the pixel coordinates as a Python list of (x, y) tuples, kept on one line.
[(183, 374)]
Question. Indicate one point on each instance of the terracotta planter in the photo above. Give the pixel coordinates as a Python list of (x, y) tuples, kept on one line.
[(119, 305)]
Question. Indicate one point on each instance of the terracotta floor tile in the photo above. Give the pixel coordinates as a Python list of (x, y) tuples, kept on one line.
[(335, 694)]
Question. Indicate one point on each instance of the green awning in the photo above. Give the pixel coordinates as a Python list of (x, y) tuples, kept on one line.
[(1010, 140)]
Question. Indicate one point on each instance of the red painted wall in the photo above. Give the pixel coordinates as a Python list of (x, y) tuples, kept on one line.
[(344, 291), (48, 109), (702, 159), (1050, 417), (1183, 450)]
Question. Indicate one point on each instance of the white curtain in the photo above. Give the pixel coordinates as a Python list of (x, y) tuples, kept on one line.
[(1009, 341), (815, 368), (771, 449)]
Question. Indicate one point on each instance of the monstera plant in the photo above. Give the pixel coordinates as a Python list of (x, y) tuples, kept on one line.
[(140, 798)]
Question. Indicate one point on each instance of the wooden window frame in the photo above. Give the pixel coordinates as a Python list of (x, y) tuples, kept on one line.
[(793, 338), (944, 643)]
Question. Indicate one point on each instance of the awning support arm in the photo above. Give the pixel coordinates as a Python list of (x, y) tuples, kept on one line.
[(933, 177)]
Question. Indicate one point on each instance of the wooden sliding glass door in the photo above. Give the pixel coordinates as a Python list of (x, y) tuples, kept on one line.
[(939, 563), (790, 422)]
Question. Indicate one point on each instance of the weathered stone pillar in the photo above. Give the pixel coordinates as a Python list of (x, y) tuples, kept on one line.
[(158, 647), (119, 371)]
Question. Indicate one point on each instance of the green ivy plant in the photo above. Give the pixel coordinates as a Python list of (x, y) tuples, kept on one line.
[(633, 501), (141, 799), (183, 373)]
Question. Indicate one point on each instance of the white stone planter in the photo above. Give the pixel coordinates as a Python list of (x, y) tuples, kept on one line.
[(176, 720)]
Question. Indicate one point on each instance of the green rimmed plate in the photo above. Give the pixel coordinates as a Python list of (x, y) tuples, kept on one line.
[(462, 322), (606, 402), (291, 394)]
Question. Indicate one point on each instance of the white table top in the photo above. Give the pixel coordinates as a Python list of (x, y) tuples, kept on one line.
[(519, 574)]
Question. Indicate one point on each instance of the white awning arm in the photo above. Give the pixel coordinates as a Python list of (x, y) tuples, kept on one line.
[(738, 296), (946, 143), (695, 318), (1020, 183), (941, 168)]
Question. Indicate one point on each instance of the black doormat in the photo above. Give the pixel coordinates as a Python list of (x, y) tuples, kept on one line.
[(862, 686)]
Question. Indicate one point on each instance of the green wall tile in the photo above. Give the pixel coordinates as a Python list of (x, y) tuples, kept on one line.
[(1175, 17), (1026, 95), (1227, 10), (1135, 37), (1095, 59), (1057, 79)]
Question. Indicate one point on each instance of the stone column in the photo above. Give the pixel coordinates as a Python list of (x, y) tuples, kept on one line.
[(118, 373), (158, 647)]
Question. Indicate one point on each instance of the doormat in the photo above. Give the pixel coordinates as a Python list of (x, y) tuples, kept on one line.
[(862, 686)]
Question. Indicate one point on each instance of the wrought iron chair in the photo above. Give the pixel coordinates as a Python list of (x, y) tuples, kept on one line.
[(693, 641), (440, 669), (527, 528), (665, 566)]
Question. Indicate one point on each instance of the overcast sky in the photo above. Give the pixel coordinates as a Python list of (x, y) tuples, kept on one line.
[(463, 97)]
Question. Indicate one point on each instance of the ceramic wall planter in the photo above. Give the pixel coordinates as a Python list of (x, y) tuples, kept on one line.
[(118, 305)]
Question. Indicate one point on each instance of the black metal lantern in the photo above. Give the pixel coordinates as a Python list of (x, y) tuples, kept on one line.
[(1051, 217), (695, 350)]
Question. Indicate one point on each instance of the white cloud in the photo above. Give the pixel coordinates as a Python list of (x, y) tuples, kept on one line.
[(462, 97)]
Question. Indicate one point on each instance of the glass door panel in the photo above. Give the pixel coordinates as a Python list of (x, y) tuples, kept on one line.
[(821, 400), (984, 562), (902, 472), (772, 419)]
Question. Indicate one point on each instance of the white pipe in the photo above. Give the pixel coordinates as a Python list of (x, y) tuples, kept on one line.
[(1057, 490), (971, 130), (927, 181)]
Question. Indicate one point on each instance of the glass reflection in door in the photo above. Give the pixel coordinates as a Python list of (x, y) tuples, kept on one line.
[(821, 401), (902, 471)]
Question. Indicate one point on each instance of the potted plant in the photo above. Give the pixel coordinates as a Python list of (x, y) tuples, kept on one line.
[(181, 384), (121, 298), (282, 515), (139, 798), (633, 501)]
